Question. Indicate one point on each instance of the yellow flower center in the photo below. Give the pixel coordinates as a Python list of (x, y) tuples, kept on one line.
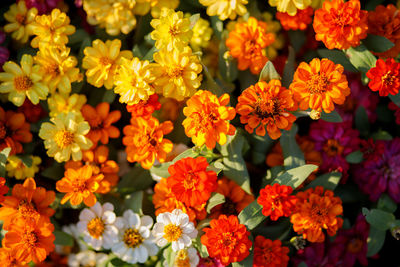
[(175, 72), (318, 84), (388, 79), (174, 30), (30, 239), (132, 238), (182, 259), (96, 227), (64, 138), (20, 18), (190, 180), (172, 232), (53, 69), (268, 108), (105, 61), (22, 83)]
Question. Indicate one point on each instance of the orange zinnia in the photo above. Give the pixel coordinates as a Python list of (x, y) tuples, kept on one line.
[(266, 105), (208, 119), (144, 141), (7, 258), (269, 253), (14, 130), (144, 108), (300, 21), (317, 210), (26, 201), (30, 240), (227, 239), (247, 43), (79, 185), (320, 84), (340, 25), (3, 188), (100, 120)]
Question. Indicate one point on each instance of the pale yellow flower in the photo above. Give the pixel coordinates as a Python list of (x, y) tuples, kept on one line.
[(65, 104), (158, 5), (201, 34), (16, 168), (225, 8), (290, 6), (20, 20)]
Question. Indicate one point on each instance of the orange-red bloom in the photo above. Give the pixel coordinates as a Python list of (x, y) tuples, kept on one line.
[(14, 130), (340, 24), (277, 201), (227, 239), (3, 188), (300, 21), (385, 77), (7, 258), (190, 181), (208, 118), (317, 210), (144, 141), (320, 84), (266, 105), (144, 108), (79, 185), (247, 43), (269, 253), (33, 113), (100, 120)]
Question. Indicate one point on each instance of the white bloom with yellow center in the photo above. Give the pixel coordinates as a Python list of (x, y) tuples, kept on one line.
[(134, 243), (174, 227), (97, 226)]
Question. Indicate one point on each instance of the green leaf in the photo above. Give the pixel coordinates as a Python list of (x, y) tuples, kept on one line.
[(27, 160), (379, 219), (251, 216), (377, 43), (269, 73), (3, 160), (63, 239), (109, 96), (226, 66), (395, 99), (134, 202), (333, 116), (293, 156), (297, 39), (116, 262), (200, 247), (386, 203), (135, 180), (361, 58), (218, 26), (375, 241), (193, 20), (302, 264), (162, 169), (55, 171), (137, 52), (338, 57), (327, 180), (149, 54), (210, 82), (215, 199), (361, 120), (288, 70), (296, 176), (382, 135), (169, 256), (355, 157)]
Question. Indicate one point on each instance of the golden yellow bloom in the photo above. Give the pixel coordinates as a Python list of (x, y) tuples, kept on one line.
[(176, 73), (225, 8), (16, 168), (102, 61), (171, 30), (57, 68), (21, 82), (201, 34), (132, 81), (273, 26), (290, 6), (20, 19), (158, 5), (65, 104), (52, 29), (65, 136)]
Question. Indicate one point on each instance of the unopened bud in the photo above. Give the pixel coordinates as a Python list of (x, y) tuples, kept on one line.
[(227, 55), (396, 232), (298, 242), (315, 115)]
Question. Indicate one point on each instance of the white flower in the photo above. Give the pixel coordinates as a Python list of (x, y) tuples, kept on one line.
[(87, 258), (72, 230), (185, 257), (174, 227), (134, 242), (97, 226)]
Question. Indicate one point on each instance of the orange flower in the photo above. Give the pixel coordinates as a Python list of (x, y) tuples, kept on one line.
[(320, 84), (247, 43), (144, 141), (269, 253), (385, 77), (30, 240), (97, 159), (300, 21), (79, 185), (144, 108), (190, 181), (100, 120), (170, 108), (340, 25), (3, 188), (385, 21), (227, 239), (266, 105), (7, 258), (317, 210), (236, 199), (14, 130), (33, 113), (207, 119), (26, 201)]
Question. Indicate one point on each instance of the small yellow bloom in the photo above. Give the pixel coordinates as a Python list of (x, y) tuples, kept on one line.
[(20, 19), (177, 73), (65, 104), (102, 61), (16, 168), (290, 6), (201, 34), (52, 29), (273, 26), (225, 8), (171, 30), (24, 81), (158, 5), (64, 136)]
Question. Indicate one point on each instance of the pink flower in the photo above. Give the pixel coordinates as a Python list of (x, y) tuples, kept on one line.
[(43, 6)]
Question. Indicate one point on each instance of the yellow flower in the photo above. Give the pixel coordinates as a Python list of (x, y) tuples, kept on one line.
[(52, 29), (64, 136), (57, 68), (290, 6), (20, 19), (158, 5), (176, 73), (225, 8), (273, 26), (16, 168), (171, 30), (201, 34), (64, 104), (133, 80), (22, 81)]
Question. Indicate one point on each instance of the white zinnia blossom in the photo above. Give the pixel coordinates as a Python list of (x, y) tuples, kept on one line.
[(87, 258)]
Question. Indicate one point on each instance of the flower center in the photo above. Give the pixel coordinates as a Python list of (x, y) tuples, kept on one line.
[(229, 207), (267, 255), (64, 138), (95, 227), (175, 72), (182, 259), (132, 238), (388, 79), (333, 148), (172, 232), (355, 245), (30, 239), (269, 108), (174, 30), (105, 61), (228, 239), (190, 180), (318, 213), (53, 70), (22, 83), (26, 209), (318, 84), (20, 18)]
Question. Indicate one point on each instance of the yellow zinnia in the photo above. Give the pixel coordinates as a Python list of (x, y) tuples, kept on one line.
[(201, 34), (102, 61), (290, 6), (16, 168), (21, 82), (64, 136), (20, 19), (225, 8), (64, 104)]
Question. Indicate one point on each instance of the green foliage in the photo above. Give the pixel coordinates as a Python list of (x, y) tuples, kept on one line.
[(355, 157), (333, 116), (215, 199), (338, 57), (293, 156), (63, 239), (134, 202), (226, 65), (297, 39), (375, 240), (327, 180), (136, 179), (379, 219), (361, 58), (362, 122), (3, 160), (288, 70), (387, 204), (377, 43), (269, 73), (251, 216), (395, 99), (162, 169), (296, 176)]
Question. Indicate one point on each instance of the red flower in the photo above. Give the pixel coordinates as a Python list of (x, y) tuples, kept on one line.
[(144, 108), (269, 253), (3, 188), (385, 77)]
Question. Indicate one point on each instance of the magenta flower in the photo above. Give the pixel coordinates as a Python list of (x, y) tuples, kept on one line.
[(43, 6), (210, 262), (396, 109), (4, 53), (315, 255)]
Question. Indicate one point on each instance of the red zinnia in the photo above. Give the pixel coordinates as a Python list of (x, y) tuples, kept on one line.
[(144, 108), (269, 253), (385, 77)]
